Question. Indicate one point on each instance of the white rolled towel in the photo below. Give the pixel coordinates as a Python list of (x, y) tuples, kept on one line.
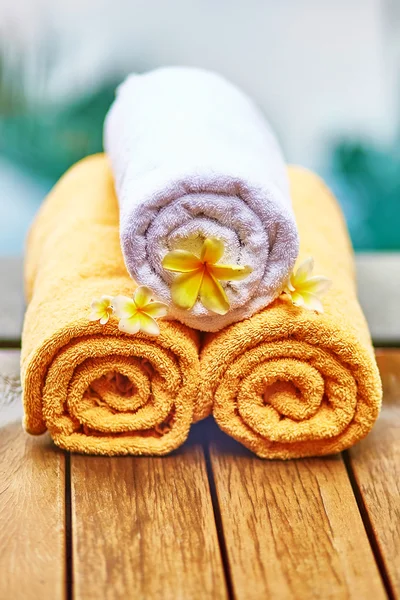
[(193, 158)]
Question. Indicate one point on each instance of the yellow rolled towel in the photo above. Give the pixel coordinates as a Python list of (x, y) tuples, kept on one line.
[(288, 382), (97, 390)]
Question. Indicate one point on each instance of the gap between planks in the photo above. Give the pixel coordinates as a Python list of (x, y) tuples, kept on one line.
[(86, 527), (144, 528), (374, 467), (294, 529), (301, 544)]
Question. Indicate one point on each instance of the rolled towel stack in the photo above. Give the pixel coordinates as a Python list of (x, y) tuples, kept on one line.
[(290, 382), (195, 191), (194, 159), (95, 388)]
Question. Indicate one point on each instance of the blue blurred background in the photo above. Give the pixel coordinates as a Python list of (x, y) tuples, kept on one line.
[(325, 72)]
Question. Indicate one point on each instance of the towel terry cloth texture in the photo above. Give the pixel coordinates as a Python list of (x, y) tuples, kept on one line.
[(96, 389), (290, 383), (193, 158)]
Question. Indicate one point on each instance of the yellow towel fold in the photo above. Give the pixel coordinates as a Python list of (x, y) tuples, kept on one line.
[(288, 382), (96, 389)]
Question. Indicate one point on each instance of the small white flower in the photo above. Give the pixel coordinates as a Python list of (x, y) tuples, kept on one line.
[(304, 290), (139, 313), (102, 309)]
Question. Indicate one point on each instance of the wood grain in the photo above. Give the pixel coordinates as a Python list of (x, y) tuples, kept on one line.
[(292, 529), (12, 301), (32, 552), (143, 528), (376, 466)]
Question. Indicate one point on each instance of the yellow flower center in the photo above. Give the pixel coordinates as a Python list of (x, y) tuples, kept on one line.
[(199, 277)]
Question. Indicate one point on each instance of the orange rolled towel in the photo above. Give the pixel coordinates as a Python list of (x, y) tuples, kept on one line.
[(288, 382), (97, 390)]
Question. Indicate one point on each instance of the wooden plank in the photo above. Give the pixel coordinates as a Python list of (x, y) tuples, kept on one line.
[(32, 553), (12, 301), (376, 466), (292, 529), (378, 276), (144, 528)]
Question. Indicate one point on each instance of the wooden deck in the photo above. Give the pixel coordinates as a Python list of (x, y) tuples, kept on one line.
[(210, 521)]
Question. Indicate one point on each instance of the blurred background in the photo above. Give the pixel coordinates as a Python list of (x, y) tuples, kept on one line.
[(325, 72)]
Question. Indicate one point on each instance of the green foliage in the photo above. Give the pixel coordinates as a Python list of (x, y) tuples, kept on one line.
[(372, 180), (49, 139)]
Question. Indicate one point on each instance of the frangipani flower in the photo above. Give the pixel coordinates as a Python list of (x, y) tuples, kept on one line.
[(202, 276), (304, 290), (101, 309), (139, 313)]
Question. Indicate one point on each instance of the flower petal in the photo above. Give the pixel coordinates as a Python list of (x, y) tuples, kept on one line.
[(212, 250), (303, 272), (94, 315), (312, 302), (131, 325), (106, 300), (297, 299), (105, 318), (124, 307), (213, 295), (156, 309), (96, 305), (317, 285), (142, 296), (229, 272), (185, 289), (290, 285), (181, 261), (148, 324)]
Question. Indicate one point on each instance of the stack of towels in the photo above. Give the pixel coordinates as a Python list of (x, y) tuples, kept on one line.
[(162, 287)]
